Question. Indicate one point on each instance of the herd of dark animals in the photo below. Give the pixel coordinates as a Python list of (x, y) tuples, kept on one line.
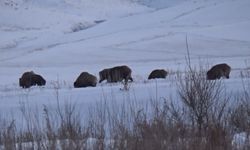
[(117, 74)]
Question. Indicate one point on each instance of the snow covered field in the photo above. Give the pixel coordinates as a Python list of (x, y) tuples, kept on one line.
[(59, 39)]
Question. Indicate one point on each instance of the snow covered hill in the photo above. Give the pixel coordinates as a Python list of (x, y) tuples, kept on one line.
[(61, 38)]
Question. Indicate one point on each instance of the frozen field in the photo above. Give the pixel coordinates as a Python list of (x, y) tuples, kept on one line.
[(59, 39)]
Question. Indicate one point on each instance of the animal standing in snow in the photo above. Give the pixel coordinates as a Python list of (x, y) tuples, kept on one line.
[(104, 75), (29, 79), (85, 80), (116, 74), (218, 71), (158, 73)]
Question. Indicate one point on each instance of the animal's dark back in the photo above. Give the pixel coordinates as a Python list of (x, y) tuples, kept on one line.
[(158, 73), (85, 79), (83, 75), (27, 74), (123, 70), (223, 67), (120, 72)]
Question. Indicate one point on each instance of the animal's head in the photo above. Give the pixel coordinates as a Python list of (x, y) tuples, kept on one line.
[(20, 82), (165, 73), (43, 81), (76, 84), (104, 74), (100, 76), (39, 80)]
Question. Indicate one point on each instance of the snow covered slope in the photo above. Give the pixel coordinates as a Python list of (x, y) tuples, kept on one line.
[(61, 38)]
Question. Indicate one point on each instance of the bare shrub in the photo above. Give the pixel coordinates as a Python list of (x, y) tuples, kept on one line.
[(32, 131), (240, 114), (240, 118), (97, 125), (71, 133), (8, 135), (206, 105)]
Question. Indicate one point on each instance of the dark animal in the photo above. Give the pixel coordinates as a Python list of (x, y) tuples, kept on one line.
[(29, 79), (105, 75), (85, 80), (116, 74), (218, 71), (158, 73)]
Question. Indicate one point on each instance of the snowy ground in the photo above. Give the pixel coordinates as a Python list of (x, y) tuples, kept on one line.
[(61, 38)]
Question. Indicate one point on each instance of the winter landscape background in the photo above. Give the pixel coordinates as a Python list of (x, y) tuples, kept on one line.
[(59, 39)]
